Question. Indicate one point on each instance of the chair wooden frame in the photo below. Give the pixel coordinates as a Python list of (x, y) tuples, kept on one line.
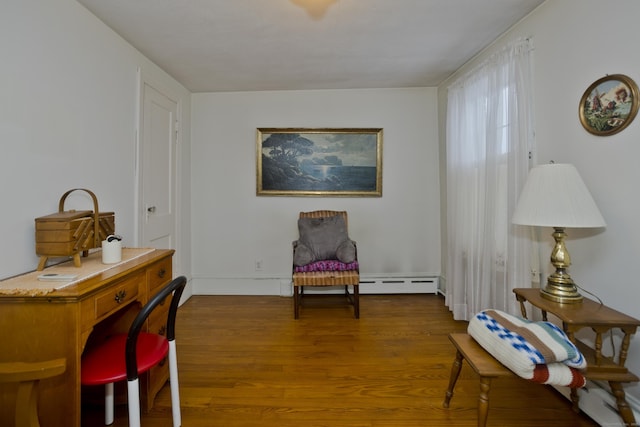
[(326, 278)]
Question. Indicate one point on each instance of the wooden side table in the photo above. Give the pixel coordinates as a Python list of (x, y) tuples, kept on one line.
[(601, 319)]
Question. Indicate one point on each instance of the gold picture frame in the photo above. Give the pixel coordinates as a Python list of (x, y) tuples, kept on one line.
[(609, 105), (319, 162)]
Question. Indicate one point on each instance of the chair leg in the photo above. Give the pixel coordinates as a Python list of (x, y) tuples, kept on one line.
[(353, 299), (173, 382), (356, 301), (109, 403), (133, 401), (296, 302)]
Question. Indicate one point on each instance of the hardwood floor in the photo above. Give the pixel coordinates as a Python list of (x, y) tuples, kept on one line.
[(244, 361)]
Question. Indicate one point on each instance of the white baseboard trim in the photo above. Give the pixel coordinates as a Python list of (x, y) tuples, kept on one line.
[(240, 286), (282, 285)]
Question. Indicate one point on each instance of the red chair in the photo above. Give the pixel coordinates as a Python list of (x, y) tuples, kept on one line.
[(128, 355)]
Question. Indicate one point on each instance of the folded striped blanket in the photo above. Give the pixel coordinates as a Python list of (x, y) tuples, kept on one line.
[(537, 351)]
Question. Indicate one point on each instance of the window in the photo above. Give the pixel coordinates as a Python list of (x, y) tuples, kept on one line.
[(489, 137)]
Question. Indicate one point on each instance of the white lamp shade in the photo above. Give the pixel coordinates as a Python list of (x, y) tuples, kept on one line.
[(555, 196)]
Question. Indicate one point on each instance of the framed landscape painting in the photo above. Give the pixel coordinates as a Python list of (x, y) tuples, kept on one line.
[(319, 162)]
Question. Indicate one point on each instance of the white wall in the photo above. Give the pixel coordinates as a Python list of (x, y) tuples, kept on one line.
[(397, 234), (68, 111), (577, 42)]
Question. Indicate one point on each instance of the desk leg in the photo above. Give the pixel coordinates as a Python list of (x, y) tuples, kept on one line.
[(455, 372), (623, 407)]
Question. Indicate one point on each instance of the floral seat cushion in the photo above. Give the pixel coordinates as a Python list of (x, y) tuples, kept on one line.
[(327, 265)]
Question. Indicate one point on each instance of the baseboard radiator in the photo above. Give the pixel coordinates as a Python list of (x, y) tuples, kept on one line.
[(398, 285), (599, 404), (386, 285), (282, 286)]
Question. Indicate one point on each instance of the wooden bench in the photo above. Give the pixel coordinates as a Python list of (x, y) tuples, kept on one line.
[(482, 363)]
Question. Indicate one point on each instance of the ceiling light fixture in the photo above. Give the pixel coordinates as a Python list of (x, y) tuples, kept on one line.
[(315, 8)]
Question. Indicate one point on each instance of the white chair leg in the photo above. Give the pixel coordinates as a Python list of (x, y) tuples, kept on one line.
[(173, 382), (108, 404), (133, 399)]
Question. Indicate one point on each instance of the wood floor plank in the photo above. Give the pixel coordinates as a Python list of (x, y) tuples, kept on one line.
[(244, 361)]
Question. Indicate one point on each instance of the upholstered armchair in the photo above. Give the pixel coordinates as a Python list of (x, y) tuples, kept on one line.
[(324, 255)]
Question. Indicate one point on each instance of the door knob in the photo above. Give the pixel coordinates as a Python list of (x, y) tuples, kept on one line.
[(151, 209)]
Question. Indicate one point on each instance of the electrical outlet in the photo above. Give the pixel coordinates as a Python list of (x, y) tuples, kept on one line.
[(259, 265)]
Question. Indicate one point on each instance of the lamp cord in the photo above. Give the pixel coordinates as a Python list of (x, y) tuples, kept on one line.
[(590, 293)]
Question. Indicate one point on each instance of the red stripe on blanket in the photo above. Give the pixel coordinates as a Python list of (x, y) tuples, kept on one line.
[(541, 376)]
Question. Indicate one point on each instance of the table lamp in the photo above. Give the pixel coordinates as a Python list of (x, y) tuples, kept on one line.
[(555, 196)]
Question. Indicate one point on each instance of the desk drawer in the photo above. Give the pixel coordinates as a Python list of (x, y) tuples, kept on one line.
[(155, 379), (118, 296), (159, 317), (159, 374), (158, 274)]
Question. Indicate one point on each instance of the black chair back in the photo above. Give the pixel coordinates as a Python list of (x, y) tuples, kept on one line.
[(175, 287)]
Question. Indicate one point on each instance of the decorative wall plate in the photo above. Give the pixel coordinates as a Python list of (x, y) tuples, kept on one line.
[(609, 105)]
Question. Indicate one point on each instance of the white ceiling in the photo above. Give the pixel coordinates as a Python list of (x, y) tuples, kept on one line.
[(252, 45)]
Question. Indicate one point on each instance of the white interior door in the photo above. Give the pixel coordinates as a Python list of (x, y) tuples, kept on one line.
[(158, 168)]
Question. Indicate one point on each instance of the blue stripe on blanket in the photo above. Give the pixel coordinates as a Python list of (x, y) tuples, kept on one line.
[(516, 341), (574, 356)]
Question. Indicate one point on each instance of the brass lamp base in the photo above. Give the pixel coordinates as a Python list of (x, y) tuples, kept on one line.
[(561, 294), (560, 286)]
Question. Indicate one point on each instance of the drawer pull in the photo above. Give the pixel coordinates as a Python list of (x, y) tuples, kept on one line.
[(161, 273), (163, 330), (120, 296)]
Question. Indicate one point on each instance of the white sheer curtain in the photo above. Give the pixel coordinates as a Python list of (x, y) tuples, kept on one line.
[(489, 145)]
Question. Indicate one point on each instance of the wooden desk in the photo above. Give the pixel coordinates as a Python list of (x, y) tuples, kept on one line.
[(39, 323), (600, 319)]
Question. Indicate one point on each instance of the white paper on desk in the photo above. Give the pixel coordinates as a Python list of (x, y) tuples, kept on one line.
[(57, 277)]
